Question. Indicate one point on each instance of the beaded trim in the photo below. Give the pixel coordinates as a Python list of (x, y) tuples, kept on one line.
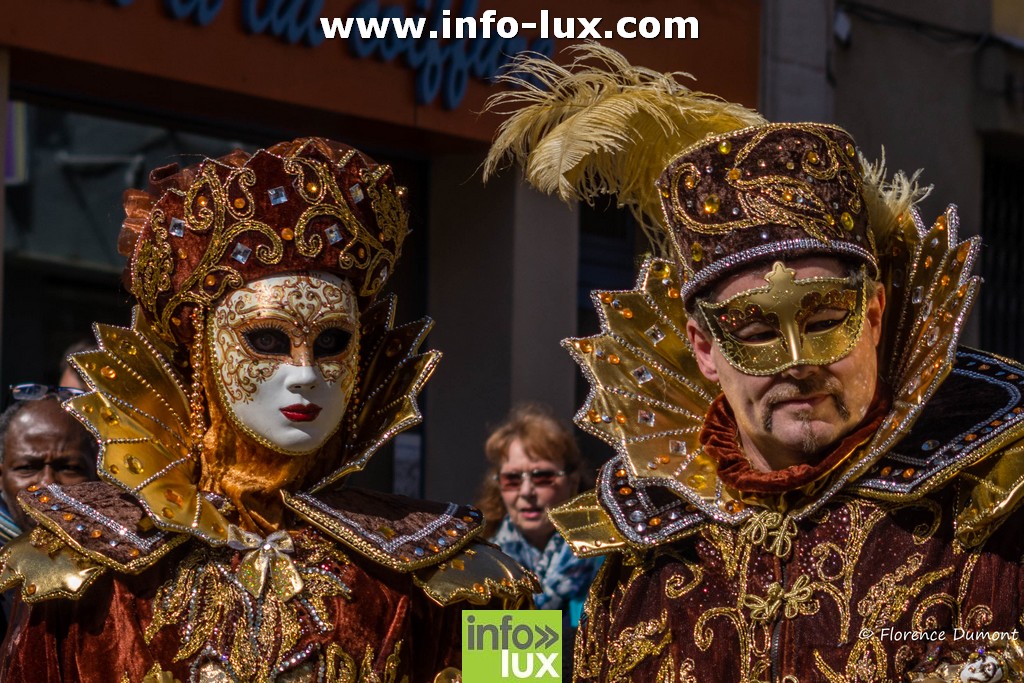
[(711, 273), (935, 458), (633, 512), (84, 510), (435, 542)]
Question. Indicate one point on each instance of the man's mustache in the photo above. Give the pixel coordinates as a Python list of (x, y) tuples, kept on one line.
[(793, 388)]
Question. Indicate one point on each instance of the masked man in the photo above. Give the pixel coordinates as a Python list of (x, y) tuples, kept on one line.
[(258, 372), (812, 481)]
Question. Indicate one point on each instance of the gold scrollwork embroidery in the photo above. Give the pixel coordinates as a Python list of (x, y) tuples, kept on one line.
[(255, 634), (677, 586), (635, 644)]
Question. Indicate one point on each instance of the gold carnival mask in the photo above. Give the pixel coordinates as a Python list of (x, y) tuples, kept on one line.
[(815, 321), (285, 355)]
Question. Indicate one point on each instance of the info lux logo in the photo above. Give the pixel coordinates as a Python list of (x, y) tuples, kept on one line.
[(510, 645)]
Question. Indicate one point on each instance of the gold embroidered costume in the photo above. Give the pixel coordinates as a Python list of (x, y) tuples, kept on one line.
[(221, 544), (898, 555)]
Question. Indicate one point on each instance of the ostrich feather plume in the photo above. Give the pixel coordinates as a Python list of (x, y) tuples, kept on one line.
[(603, 126)]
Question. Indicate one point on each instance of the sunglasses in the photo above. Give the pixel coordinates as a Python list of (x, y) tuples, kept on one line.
[(510, 481), (34, 392)]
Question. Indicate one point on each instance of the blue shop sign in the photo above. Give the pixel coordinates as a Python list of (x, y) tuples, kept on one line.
[(442, 66)]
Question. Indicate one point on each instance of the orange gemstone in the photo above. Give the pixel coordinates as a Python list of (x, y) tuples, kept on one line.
[(287, 234), (134, 552), (673, 293), (886, 471), (67, 516), (654, 521), (620, 473), (586, 347), (239, 203), (626, 313), (312, 187), (44, 499), (620, 417), (33, 488), (453, 533), (625, 491), (210, 281), (202, 201), (908, 473), (30, 589), (95, 533), (606, 298)]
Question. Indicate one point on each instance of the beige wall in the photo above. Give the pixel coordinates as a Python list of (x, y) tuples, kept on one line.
[(930, 104)]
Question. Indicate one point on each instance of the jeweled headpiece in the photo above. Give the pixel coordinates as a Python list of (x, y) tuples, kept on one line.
[(307, 205), (776, 190)]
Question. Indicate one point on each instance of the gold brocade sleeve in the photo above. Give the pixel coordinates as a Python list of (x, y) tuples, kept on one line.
[(989, 492), (586, 527), (45, 567), (479, 574)]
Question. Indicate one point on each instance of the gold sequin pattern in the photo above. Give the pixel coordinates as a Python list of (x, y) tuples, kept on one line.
[(256, 634)]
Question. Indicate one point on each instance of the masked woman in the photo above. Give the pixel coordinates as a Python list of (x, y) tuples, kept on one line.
[(259, 371)]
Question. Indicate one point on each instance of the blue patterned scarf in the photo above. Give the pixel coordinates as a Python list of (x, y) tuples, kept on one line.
[(564, 578)]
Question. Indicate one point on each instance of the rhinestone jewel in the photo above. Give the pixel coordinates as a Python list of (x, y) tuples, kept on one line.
[(916, 297), (357, 193), (177, 227), (277, 195), (655, 334), (636, 516), (677, 447), (642, 374), (645, 417), (929, 445), (333, 233), (241, 253), (711, 204)]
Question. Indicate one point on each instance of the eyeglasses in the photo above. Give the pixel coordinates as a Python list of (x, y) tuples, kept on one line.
[(34, 392), (509, 481)]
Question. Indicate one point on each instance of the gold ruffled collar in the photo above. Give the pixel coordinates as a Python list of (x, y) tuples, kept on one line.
[(139, 411)]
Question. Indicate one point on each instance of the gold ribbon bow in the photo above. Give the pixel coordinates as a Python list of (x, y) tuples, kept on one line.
[(266, 557)]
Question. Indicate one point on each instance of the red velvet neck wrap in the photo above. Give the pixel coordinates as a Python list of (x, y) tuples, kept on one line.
[(720, 438)]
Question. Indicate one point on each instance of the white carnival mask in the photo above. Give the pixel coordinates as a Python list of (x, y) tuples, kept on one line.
[(285, 353)]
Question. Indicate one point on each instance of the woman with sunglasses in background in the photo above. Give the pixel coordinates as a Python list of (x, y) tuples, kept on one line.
[(535, 466)]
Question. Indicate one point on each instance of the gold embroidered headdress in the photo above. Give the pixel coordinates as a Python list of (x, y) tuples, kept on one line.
[(307, 205)]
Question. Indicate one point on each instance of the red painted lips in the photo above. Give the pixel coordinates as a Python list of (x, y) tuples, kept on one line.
[(301, 413)]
